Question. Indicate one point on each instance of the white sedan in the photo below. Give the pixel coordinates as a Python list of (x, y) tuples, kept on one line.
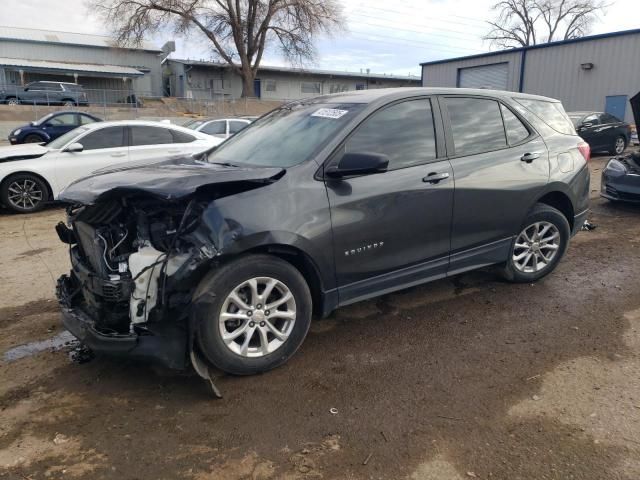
[(220, 127), (33, 174)]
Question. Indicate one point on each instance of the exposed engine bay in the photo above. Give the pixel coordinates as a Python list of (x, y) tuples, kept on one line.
[(134, 259)]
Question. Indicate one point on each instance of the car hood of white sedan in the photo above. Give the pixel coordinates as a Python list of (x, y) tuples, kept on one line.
[(22, 152)]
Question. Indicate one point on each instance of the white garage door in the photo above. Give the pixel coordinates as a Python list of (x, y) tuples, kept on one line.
[(485, 76)]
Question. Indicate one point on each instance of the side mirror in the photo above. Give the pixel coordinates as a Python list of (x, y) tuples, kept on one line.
[(358, 164), (587, 125), (74, 148)]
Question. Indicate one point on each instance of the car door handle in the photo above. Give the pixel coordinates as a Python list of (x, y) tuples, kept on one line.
[(118, 154), (435, 177), (529, 157)]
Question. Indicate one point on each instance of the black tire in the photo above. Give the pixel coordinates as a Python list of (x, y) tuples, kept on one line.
[(539, 213), (33, 138), (614, 149), (6, 190), (210, 297), (12, 101)]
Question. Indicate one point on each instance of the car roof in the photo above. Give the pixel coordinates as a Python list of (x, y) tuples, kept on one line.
[(142, 123), (381, 94)]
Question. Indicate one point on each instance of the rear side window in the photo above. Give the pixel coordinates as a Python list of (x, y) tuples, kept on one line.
[(111, 137), (85, 119), (551, 113), (404, 132), (181, 137), (215, 128), (515, 129), (608, 118), (476, 125), (150, 136)]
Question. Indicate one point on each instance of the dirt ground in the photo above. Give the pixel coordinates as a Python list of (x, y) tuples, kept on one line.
[(464, 378)]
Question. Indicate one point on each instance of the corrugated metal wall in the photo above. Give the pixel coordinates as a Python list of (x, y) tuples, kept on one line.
[(556, 72), (446, 74), (103, 56)]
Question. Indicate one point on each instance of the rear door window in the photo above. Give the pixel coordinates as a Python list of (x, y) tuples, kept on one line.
[(150, 136), (181, 137), (235, 126), (404, 132), (111, 137), (85, 119), (515, 129), (476, 125)]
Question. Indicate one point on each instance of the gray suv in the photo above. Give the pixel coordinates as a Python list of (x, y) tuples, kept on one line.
[(222, 260), (45, 93)]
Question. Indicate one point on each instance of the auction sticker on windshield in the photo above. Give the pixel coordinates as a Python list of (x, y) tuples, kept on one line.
[(329, 113)]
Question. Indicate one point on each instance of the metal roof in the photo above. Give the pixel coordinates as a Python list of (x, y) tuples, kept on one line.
[(67, 38), (66, 67), (302, 71), (535, 47)]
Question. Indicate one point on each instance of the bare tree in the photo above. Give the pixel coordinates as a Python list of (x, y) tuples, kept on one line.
[(520, 23), (239, 30)]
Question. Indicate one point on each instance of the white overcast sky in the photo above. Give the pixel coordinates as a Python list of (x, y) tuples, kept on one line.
[(386, 37)]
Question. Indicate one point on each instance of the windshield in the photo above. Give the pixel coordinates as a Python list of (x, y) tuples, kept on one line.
[(60, 142), (43, 119), (287, 136)]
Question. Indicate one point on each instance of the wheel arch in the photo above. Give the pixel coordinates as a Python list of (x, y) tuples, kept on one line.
[(301, 261), (27, 172), (560, 201)]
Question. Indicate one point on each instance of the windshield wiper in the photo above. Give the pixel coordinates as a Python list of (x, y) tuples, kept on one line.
[(226, 164)]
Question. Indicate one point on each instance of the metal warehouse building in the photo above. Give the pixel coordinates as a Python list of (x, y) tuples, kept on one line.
[(598, 73), (94, 61), (211, 80)]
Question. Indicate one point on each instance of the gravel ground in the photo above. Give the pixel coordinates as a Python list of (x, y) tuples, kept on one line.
[(468, 377)]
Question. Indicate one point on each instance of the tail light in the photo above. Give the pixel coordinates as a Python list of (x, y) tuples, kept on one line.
[(585, 150)]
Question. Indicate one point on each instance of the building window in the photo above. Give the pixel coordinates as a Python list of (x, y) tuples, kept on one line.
[(270, 86), (361, 86), (310, 87), (338, 87)]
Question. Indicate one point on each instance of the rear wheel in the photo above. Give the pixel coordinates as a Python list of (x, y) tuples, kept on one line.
[(539, 246), (256, 314), (619, 144), (68, 103), (24, 193)]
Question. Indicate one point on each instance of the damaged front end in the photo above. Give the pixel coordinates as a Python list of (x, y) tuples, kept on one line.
[(137, 255)]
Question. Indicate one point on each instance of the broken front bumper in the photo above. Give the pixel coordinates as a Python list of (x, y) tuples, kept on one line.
[(166, 344)]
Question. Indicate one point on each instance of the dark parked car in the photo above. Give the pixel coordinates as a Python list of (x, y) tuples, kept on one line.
[(323, 202), (50, 127), (621, 176), (45, 93), (602, 131)]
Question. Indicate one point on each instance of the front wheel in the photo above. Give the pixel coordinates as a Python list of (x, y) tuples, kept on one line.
[(253, 314), (539, 246), (24, 193)]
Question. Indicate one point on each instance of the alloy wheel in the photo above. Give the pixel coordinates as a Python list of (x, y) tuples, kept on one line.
[(619, 146), (25, 194), (13, 101), (536, 246), (257, 317)]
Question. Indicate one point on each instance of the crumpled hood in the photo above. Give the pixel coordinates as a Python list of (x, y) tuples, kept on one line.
[(167, 180), (22, 152)]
